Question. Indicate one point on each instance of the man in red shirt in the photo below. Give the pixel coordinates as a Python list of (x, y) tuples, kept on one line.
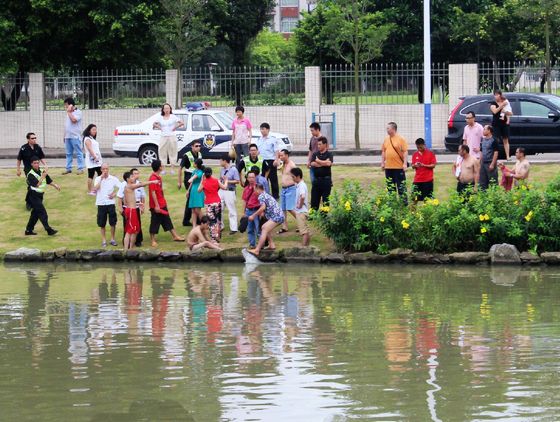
[(423, 163), (252, 204), (158, 207)]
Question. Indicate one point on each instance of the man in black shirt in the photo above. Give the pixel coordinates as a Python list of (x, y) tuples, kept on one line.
[(254, 159), (186, 163), (37, 180), (27, 151), (321, 162)]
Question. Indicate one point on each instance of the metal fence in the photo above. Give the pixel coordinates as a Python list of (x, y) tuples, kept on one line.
[(393, 83), (253, 86), (14, 92), (106, 89), (517, 76)]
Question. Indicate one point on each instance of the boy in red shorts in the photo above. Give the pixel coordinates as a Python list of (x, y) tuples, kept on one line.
[(130, 214)]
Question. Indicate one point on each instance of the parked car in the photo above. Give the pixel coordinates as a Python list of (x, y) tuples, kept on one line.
[(535, 124), (211, 127)]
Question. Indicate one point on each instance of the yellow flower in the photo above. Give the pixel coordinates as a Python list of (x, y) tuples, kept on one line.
[(347, 206), (378, 202), (382, 219), (405, 225), (483, 230), (523, 187), (516, 202), (325, 208), (484, 217), (529, 216), (435, 202)]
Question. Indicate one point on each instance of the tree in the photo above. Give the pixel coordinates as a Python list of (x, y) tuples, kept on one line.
[(357, 36), (271, 49), (240, 21), (543, 13), (183, 34)]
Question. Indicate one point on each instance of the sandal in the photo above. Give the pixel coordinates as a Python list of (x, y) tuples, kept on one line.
[(282, 231)]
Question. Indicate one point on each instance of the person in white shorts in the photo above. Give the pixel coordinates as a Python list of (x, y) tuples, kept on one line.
[(302, 205)]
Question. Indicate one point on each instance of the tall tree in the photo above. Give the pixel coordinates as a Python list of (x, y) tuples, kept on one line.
[(271, 49), (357, 36), (183, 33), (239, 21)]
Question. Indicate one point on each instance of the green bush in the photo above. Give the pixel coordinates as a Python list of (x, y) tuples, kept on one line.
[(359, 219)]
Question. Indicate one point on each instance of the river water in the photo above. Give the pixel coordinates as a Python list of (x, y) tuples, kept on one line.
[(277, 343)]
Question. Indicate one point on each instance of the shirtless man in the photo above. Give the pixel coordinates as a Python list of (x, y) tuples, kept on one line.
[(520, 173), (288, 195), (467, 171), (130, 213), (199, 237)]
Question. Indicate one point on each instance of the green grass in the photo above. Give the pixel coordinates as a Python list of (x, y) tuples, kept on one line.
[(73, 213)]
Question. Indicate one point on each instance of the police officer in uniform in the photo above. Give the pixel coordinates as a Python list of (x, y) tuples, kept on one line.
[(254, 159), (37, 180), (27, 151), (186, 163)]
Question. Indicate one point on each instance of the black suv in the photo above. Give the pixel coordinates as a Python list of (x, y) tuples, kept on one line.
[(535, 124)]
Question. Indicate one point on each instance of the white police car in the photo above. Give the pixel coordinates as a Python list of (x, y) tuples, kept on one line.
[(211, 127)]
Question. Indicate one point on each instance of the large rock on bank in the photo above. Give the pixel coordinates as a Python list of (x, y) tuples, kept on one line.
[(504, 254)]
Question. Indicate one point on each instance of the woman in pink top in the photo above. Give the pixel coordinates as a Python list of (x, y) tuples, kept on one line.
[(210, 185), (242, 134)]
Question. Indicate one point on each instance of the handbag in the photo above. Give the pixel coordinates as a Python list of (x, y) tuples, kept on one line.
[(398, 153), (232, 154)]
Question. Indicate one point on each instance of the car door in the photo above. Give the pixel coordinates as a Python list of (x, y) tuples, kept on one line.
[(180, 133), (206, 129), (537, 132)]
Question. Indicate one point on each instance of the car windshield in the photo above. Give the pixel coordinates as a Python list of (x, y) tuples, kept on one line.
[(225, 118), (554, 100)]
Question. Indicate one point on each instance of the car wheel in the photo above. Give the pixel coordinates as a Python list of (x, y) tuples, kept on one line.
[(147, 154)]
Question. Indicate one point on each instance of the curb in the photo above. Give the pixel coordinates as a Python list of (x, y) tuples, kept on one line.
[(289, 255)]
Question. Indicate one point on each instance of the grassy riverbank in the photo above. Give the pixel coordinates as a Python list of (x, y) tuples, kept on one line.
[(73, 213)]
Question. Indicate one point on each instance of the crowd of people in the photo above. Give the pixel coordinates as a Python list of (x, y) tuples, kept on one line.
[(268, 198)]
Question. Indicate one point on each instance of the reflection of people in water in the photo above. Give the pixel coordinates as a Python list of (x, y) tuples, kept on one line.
[(398, 344), (160, 303), (35, 322)]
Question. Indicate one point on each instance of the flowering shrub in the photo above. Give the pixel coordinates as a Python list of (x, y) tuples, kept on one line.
[(362, 220)]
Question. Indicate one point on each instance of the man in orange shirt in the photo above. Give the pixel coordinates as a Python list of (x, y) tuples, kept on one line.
[(394, 157)]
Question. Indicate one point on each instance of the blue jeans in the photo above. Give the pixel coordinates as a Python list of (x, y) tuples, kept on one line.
[(252, 228), (312, 174), (74, 145)]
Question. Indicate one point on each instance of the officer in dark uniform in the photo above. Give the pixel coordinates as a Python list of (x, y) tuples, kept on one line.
[(254, 159), (186, 162), (27, 151), (37, 180)]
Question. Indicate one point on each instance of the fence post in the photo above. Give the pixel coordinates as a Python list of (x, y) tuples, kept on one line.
[(312, 91), (171, 76), (37, 106), (463, 80)]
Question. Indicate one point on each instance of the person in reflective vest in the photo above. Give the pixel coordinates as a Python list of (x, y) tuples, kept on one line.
[(37, 180), (254, 159), (187, 162)]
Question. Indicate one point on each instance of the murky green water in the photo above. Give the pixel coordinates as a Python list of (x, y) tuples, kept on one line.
[(279, 343)]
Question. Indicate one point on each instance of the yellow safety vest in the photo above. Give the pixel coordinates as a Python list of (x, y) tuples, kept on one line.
[(249, 164), (191, 158), (42, 187)]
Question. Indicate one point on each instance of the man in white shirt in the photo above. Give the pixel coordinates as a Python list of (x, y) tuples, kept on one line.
[(269, 150), (105, 187), (72, 136), (140, 194), (302, 205)]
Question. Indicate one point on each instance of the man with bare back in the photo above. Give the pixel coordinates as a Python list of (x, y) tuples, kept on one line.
[(199, 237), (130, 213), (289, 188), (467, 170)]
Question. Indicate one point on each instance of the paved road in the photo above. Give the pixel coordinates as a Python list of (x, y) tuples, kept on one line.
[(299, 160)]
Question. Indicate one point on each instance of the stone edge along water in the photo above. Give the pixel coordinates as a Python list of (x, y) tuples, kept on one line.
[(501, 254)]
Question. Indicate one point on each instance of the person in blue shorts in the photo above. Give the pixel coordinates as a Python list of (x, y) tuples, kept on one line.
[(289, 189), (273, 214)]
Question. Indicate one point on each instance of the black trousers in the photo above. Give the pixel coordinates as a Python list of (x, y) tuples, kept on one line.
[(38, 211), (273, 179), (188, 211), (320, 190), (396, 178), (139, 236)]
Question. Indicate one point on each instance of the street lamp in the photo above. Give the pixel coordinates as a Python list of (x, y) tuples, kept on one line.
[(427, 76)]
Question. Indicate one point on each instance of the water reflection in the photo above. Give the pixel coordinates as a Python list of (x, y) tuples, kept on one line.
[(270, 343)]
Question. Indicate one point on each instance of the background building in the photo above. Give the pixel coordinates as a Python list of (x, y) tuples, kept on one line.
[(287, 13)]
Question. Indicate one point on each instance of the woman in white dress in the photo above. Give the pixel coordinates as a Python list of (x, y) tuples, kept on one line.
[(168, 123)]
